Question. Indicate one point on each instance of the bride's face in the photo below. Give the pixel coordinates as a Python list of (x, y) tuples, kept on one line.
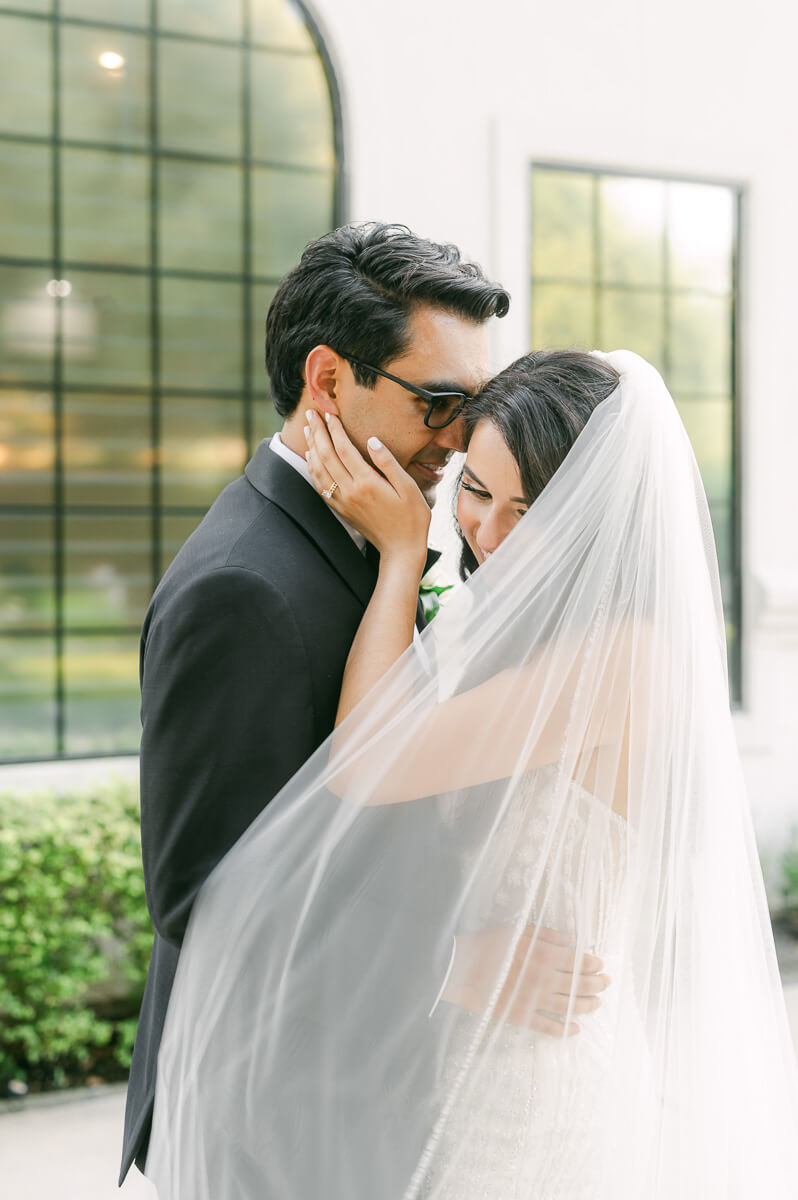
[(491, 500)]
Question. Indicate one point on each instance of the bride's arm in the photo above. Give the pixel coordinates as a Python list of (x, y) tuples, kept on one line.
[(386, 506), (519, 719)]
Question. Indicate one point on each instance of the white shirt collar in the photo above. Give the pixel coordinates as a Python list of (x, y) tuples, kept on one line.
[(301, 467)]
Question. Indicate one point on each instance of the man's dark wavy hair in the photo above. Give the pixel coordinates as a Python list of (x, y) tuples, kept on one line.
[(355, 289)]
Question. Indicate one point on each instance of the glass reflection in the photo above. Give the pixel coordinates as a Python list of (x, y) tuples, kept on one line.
[(27, 571), (108, 576), (27, 324), (25, 76), (203, 448), (106, 203), (632, 228), (201, 333), (562, 316), (201, 216), (290, 110), (102, 694), (27, 446), (107, 450), (25, 200), (290, 208), (562, 214), (100, 105), (200, 98), (107, 329), (27, 697)]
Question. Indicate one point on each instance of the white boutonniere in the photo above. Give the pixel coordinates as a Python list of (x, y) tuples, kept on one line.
[(434, 591)]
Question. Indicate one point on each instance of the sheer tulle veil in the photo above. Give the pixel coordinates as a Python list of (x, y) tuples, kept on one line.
[(561, 756)]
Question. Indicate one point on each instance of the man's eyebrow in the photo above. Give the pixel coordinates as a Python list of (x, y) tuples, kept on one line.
[(446, 385), (477, 480)]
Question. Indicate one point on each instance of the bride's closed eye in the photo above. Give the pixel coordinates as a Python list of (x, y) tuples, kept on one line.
[(478, 492), (481, 494)]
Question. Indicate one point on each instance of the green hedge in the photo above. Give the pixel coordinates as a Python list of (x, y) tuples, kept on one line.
[(75, 935)]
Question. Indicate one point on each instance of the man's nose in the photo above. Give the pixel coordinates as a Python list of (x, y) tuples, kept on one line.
[(452, 436)]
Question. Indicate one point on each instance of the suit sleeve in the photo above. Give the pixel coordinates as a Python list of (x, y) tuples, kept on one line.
[(227, 718)]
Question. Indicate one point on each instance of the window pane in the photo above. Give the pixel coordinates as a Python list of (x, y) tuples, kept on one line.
[(262, 295), (27, 571), (107, 450), (123, 12), (562, 225), (106, 198), (107, 329), (562, 316), (27, 324), (27, 697), (27, 447), (208, 18), (709, 425), (290, 208), (201, 216), (266, 420), (701, 236), (108, 570), (25, 75), (203, 448), (723, 529), (102, 694), (291, 116), (201, 332), (279, 23), (632, 224), (701, 344), (200, 98), (25, 201), (105, 105), (174, 532), (632, 320)]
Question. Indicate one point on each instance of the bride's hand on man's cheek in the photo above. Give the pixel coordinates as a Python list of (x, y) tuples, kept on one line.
[(379, 498)]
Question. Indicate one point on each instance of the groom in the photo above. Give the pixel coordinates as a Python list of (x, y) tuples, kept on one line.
[(245, 640)]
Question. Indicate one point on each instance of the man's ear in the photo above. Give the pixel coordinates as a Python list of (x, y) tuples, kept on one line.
[(322, 377)]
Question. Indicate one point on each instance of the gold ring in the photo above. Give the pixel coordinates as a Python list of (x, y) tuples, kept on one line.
[(328, 493)]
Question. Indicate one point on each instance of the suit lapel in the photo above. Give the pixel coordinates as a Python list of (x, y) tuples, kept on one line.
[(282, 485)]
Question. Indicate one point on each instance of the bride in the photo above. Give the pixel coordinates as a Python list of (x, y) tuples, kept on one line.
[(556, 754)]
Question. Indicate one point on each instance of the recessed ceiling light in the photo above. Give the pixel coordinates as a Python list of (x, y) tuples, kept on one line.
[(111, 60)]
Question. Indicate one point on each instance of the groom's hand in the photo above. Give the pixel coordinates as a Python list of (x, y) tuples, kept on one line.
[(543, 981)]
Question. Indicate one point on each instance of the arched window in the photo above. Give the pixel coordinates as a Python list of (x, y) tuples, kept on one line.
[(162, 164)]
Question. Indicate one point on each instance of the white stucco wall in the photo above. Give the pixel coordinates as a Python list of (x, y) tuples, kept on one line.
[(448, 101)]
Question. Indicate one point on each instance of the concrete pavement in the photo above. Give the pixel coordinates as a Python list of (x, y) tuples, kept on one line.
[(67, 1147)]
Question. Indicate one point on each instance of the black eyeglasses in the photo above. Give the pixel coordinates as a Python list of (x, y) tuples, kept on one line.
[(442, 407)]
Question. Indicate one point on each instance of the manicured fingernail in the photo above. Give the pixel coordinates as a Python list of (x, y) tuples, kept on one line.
[(307, 431), (327, 417), (307, 456), (309, 415), (375, 444)]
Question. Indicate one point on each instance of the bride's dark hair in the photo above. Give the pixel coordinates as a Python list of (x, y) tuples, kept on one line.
[(539, 404)]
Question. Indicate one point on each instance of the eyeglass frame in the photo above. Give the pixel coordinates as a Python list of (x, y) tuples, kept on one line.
[(432, 398)]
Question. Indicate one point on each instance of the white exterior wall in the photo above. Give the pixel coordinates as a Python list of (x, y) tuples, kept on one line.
[(446, 103)]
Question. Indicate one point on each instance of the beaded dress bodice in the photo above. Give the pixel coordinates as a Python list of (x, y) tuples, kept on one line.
[(530, 1126)]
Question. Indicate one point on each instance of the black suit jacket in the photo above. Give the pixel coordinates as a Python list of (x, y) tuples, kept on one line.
[(242, 655)]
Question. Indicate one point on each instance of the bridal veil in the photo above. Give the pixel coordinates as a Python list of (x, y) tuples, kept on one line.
[(561, 756)]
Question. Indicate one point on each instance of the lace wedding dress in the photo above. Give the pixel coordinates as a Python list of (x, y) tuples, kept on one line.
[(536, 1129)]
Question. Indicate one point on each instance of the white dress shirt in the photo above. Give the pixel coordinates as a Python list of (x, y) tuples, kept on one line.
[(299, 464)]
